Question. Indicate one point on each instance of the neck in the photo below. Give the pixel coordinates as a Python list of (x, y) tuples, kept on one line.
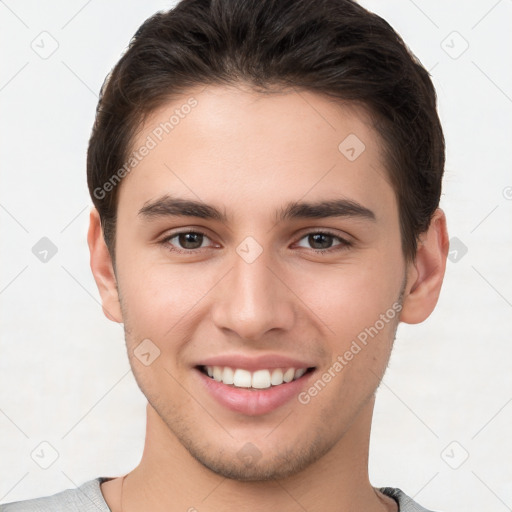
[(169, 478)]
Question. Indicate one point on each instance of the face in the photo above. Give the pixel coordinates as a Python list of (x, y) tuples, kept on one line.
[(290, 257)]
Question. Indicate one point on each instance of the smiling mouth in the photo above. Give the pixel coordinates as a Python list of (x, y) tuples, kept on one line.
[(257, 380)]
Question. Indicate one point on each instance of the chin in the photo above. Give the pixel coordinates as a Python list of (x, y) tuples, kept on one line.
[(250, 465)]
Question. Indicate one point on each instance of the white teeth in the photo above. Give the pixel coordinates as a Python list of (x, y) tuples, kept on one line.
[(277, 377), (217, 373), (242, 378), (227, 375), (260, 379), (299, 373), (289, 374)]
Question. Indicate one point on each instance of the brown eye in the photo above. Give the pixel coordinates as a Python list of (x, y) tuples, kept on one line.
[(186, 241), (321, 241), (190, 240)]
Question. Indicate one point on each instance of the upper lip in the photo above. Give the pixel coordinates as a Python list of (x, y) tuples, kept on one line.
[(253, 363)]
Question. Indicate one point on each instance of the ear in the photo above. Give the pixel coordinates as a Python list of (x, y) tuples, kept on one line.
[(102, 269), (425, 275)]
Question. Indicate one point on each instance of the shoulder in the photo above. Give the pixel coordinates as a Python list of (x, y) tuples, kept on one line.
[(85, 498), (405, 503)]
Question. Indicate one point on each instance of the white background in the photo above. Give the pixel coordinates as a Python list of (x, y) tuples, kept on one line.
[(64, 372)]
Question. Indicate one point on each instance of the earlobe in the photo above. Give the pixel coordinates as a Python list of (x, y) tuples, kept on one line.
[(426, 273), (102, 269)]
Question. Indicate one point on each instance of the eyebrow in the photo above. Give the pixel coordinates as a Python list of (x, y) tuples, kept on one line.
[(169, 206)]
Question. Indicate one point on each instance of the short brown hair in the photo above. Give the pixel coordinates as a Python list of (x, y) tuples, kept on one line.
[(332, 47)]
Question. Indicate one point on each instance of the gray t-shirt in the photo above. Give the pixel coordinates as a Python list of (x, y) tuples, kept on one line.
[(88, 498)]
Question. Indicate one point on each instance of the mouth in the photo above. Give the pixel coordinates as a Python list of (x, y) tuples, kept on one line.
[(253, 393), (254, 380)]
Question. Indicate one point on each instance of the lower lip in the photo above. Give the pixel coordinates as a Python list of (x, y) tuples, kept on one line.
[(253, 402)]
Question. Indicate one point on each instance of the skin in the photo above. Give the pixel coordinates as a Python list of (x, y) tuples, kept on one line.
[(249, 154)]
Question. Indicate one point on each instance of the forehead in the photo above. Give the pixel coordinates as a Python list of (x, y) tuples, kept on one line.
[(229, 145)]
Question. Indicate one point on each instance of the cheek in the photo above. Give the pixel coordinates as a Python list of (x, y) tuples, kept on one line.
[(347, 299), (159, 293), (164, 303)]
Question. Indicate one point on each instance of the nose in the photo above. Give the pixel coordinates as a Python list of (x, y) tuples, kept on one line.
[(254, 299)]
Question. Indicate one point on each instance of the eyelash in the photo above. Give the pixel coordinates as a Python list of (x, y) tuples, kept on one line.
[(344, 244)]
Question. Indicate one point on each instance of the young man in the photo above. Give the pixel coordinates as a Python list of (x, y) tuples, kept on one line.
[(266, 178)]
